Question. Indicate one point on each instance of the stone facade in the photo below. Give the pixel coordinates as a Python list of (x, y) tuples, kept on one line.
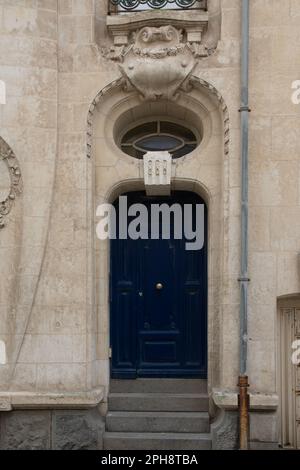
[(71, 87)]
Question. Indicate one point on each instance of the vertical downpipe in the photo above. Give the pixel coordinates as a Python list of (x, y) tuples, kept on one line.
[(244, 279)]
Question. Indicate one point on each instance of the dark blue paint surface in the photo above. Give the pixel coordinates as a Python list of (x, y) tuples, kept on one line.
[(158, 333)]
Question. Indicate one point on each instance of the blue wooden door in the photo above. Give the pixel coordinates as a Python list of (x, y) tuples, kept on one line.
[(158, 297)]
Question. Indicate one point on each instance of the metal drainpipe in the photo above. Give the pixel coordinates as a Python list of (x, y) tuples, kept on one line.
[(244, 279)]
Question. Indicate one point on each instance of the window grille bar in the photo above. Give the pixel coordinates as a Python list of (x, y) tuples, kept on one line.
[(123, 6)]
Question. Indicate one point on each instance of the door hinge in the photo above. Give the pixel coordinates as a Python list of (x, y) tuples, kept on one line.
[(110, 353)]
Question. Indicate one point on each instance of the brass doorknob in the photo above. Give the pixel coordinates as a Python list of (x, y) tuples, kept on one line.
[(159, 286)]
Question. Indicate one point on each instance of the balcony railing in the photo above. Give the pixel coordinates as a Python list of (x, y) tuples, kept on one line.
[(123, 6)]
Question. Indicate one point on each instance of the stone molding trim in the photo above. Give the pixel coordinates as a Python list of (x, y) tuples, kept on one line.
[(228, 400), (121, 27), (37, 400), (118, 83), (200, 83), (8, 156), (186, 87)]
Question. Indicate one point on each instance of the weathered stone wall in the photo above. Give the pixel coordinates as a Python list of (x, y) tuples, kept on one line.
[(274, 177), (28, 64), (274, 192), (51, 430)]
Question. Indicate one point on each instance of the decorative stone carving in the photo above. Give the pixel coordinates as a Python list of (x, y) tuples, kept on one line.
[(157, 173), (157, 56), (158, 62), (196, 82), (7, 155), (155, 39)]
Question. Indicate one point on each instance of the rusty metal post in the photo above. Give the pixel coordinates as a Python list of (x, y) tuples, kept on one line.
[(244, 403)]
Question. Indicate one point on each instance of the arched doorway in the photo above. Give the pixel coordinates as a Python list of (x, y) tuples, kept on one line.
[(112, 172), (158, 294)]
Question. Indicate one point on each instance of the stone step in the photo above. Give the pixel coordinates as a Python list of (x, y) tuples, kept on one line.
[(156, 441), (159, 386), (157, 402), (167, 422)]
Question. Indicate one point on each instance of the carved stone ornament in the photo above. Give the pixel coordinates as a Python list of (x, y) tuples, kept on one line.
[(9, 158), (157, 173), (158, 62), (158, 50)]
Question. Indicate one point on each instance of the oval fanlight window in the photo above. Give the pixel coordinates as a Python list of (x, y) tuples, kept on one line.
[(159, 136)]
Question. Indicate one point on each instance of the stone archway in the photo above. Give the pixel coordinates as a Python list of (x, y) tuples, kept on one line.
[(112, 172)]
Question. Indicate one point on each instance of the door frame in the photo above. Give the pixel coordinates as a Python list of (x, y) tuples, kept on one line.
[(205, 321), (286, 375)]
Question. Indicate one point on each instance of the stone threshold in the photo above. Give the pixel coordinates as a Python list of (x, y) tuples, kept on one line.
[(44, 400)]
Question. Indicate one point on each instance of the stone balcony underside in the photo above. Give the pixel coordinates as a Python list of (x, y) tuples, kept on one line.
[(193, 22)]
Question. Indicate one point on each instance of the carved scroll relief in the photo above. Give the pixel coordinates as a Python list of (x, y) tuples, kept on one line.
[(157, 61)]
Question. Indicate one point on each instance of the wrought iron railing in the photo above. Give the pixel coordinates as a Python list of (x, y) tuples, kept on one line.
[(123, 6)]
